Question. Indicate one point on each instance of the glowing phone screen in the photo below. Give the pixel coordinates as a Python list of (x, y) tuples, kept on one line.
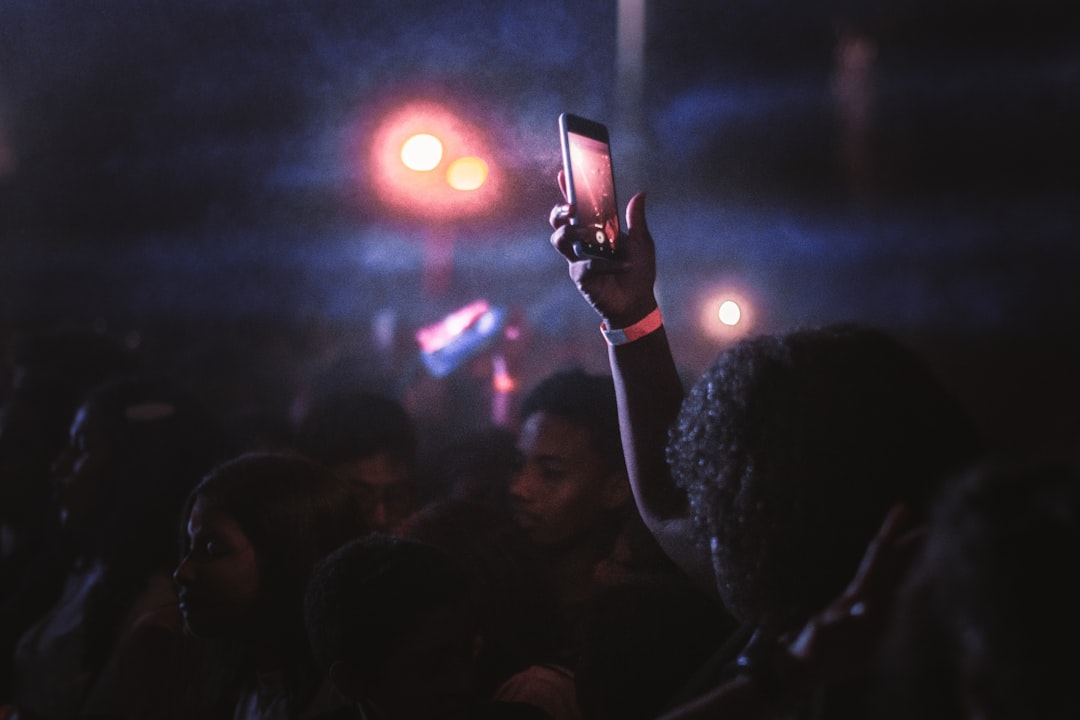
[(594, 188)]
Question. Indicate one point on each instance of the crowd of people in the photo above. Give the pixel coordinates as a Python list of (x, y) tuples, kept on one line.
[(813, 529)]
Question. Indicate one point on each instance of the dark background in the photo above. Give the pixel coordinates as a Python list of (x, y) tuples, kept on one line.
[(189, 177)]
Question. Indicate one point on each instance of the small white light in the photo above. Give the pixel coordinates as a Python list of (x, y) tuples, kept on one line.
[(422, 152), (730, 313)]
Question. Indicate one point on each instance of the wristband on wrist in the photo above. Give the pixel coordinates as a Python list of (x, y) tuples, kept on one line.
[(645, 326)]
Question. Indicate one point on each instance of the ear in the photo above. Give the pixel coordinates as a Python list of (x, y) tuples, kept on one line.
[(616, 490), (348, 680)]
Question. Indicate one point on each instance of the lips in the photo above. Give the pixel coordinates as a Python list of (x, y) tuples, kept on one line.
[(523, 518), (188, 605), (194, 615)]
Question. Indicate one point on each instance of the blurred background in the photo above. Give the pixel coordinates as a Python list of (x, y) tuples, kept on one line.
[(221, 186)]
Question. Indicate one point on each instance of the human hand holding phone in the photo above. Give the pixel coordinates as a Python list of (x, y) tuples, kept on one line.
[(620, 290)]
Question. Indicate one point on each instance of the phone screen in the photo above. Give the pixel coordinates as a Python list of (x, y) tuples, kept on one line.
[(592, 190)]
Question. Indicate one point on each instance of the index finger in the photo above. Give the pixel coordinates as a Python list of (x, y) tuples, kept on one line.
[(888, 554), (560, 215)]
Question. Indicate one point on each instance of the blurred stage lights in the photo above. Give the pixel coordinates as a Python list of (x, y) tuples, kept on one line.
[(467, 173), (729, 313), (726, 315), (422, 152), (428, 162)]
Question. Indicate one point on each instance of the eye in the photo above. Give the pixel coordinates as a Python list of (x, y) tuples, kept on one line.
[(206, 548), (552, 471)]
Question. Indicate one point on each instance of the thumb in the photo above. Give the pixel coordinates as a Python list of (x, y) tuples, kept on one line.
[(635, 214)]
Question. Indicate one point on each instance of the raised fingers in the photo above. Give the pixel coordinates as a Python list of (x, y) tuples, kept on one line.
[(560, 215), (563, 239)]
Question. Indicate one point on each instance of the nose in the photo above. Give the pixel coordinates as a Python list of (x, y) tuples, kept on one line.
[(522, 485), (184, 572)]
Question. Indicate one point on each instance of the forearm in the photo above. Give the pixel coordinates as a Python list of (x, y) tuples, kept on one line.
[(650, 393)]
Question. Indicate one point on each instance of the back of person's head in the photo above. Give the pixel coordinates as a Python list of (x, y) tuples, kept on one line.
[(792, 448), (513, 603), (390, 619), (585, 399), (987, 625)]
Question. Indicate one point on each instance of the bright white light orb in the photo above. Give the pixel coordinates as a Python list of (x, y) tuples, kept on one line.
[(730, 313), (422, 152)]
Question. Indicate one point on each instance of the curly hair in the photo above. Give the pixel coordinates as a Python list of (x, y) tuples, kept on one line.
[(792, 448)]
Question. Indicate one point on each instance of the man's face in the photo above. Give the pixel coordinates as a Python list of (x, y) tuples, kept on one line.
[(380, 482), (564, 488)]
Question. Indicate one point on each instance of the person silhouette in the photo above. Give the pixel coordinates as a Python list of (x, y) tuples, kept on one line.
[(137, 446), (253, 529), (784, 462)]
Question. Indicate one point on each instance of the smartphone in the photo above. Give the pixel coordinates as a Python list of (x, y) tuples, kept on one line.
[(590, 184)]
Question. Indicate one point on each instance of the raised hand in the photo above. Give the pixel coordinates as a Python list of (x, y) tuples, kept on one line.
[(621, 291)]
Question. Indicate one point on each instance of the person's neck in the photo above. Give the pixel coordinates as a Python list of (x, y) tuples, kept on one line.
[(572, 566)]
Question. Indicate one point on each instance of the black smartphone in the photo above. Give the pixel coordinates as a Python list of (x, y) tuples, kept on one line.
[(590, 184)]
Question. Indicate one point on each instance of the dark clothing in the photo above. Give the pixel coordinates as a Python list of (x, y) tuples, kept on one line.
[(851, 701)]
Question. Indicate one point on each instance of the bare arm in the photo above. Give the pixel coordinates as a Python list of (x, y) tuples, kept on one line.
[(647, 383)]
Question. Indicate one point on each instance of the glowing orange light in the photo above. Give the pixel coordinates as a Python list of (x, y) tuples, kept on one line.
[(422, 152), (501, 380), (503, 384), (467, 173), (420, 193)]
